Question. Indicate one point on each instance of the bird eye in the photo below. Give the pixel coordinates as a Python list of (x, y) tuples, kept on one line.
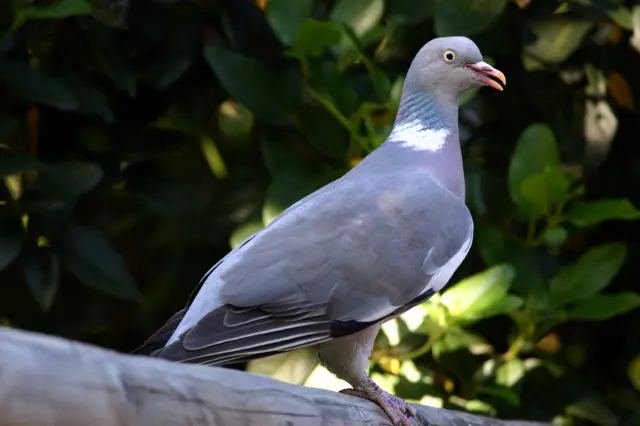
[(449, 56)]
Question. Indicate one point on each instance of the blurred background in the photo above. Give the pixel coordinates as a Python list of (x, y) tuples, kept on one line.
[(141, 140)]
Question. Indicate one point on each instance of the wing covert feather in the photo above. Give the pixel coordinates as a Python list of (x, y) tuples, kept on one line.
[(362, 250)]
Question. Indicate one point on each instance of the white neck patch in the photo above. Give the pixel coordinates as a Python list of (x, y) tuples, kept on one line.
[(415, 136)]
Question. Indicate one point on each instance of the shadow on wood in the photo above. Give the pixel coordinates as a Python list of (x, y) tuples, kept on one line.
[(46, 380)]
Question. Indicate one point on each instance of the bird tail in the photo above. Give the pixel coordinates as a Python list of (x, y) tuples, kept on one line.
[(229, 335)]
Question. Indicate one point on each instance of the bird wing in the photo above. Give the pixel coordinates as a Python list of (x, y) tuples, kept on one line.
[(356, 252)]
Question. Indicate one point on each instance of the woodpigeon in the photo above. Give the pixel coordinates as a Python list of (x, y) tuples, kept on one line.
[(359, 251)]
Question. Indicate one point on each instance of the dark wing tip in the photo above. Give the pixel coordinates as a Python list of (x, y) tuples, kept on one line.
[(153, 345)]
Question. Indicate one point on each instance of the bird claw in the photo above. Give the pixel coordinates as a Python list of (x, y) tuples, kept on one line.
[(396, 408)]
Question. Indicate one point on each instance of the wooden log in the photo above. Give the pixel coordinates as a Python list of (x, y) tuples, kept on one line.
[(46, 380)]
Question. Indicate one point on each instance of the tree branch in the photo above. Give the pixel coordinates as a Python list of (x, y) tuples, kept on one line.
[(46, 380)]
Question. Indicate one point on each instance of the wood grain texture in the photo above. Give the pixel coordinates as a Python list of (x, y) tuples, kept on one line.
[(46, 380)]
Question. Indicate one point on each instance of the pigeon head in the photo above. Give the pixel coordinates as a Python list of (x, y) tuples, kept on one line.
[(451, 66)]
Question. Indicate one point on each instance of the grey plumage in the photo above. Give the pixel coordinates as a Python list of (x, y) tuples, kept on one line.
[(365, 248)]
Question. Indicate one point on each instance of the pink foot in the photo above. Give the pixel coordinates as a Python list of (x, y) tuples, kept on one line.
[(396, 408)]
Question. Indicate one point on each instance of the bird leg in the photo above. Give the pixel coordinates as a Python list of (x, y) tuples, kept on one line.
[(396, 408), (348, 357)]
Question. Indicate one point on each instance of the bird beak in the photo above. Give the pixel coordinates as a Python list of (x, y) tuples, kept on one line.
[(484, 70)]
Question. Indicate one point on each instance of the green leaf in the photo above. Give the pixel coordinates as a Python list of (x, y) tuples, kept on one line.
[(11, 239), (288, 186), (286, 17), (379, 79), (509, 303), (590, 274), (94, 262), (14, 162), (555, 237), (634, 372), (58, 184), (166, 197), (510, 373), (324, 133), (555, 41), (109, 57), (360, 15), (593, 408), (251, 83), (90, 99), (535, 151), (505, 393), (592, 213), (173, 61), (466, 17), (474, 296), (544, 190), (277, 153), (34, 85), (622, 17), (455, 339), (313, 37), (59, 9), (293, 367), (604, 306), (411, 11), (41, 268), (244, 231)]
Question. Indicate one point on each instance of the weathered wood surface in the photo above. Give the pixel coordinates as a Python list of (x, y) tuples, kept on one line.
[(46, 380)]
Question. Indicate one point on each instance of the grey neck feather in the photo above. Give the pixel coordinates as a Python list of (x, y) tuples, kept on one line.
[(425, 134)]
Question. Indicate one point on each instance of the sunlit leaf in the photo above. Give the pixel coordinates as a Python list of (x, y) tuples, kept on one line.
[(466, 17), (635, 21), (555, 41), (244, 231), (604, 306), (293, 367), (473, 297), (322, 378), (535, 151), (544, 190), (622, 17), (454, 339), (510, 373), (594, 212), (213, 158), (600, 128), (590, 274), (509, 303)]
